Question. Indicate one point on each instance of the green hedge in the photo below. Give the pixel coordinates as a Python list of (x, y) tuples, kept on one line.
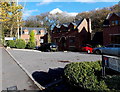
[(11, 43), (84, 75), (20, 44), (30, 45)]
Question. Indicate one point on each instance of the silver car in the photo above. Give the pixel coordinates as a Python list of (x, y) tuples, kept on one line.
[(111, 49)]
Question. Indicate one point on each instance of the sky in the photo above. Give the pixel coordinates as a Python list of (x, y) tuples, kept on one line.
[(37, 7)]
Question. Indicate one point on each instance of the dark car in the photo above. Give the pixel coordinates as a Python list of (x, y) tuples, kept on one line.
[(47, 47), (86, 48), (112, 49)]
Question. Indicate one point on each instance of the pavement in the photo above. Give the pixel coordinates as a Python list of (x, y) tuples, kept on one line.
[(0, 69), (13, 75)]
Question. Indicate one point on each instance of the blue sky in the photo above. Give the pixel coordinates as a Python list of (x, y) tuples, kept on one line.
[(36, 8)]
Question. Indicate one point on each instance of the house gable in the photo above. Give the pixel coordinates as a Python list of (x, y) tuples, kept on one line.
[(82, 25)]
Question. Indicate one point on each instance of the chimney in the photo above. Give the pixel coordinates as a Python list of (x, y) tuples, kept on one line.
[(89, 25)]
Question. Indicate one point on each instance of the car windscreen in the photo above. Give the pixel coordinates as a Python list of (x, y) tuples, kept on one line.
[(109, 45), (117, 46)]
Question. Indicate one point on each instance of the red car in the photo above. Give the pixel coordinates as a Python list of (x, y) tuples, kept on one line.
[(87, 48)]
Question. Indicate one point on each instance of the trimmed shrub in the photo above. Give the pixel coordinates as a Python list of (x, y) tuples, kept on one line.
[(20, 44), (83, 75), (11, 43), (30, 45), (113, 82)]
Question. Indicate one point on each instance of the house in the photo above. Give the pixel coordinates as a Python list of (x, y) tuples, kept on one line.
[(39, 33), (69, 36), (97, 39), (111, 30)]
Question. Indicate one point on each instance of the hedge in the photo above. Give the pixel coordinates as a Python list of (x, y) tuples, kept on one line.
[(11, 43), (84, 75), (20, 44), (30, 45)]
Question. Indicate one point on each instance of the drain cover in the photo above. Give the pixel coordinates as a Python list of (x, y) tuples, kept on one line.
[(12, 88)]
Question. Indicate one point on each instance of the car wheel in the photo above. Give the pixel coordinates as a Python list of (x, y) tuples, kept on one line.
[(88, 51), (98, 52)]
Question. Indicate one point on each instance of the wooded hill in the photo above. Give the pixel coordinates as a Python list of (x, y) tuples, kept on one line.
[(98, 16)]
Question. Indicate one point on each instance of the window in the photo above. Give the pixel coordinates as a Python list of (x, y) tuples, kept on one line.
[(58, 31), (26, 32), (72, 40), (22, 32), (109, 45), (116, 22), (39, 32), (115, 39), (42, 33), (117, 46), (113, 23)]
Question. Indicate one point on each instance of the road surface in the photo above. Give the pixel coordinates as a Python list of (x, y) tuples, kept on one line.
[(41, 61)]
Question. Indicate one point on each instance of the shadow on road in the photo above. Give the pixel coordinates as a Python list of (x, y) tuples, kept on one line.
[(45, 78), (54, 81)]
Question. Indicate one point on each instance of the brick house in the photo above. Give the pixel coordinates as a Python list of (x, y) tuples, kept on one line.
[(69, 36), (111, 30), (39, 33)]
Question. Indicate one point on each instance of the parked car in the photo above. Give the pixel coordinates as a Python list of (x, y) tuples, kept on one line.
[(87, 48), (112, 49), (47, 47)]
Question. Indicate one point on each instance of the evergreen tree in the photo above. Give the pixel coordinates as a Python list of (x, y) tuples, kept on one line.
[(31, 43), (32, 36)]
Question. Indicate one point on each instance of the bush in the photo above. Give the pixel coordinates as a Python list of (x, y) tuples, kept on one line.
[(84, 75), (113, 82), (11, 43), (20, 44), (30, 45)]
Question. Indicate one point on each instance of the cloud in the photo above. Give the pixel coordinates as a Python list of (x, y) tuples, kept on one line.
[(96, 0), (28, 13), (45, 2), (41, 2)]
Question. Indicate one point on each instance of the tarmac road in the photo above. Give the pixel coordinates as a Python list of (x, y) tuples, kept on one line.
[(33, 60)]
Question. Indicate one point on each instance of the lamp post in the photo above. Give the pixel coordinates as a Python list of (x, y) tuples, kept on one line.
[(17, 24)]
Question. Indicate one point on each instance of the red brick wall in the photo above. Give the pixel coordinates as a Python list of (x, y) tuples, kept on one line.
[(108, 31), (37, 36), (112, 29), (78, 36)]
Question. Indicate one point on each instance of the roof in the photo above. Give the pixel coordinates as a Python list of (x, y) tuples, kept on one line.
[(33, 28), (106, 21), (77, 22), (110, 14)]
